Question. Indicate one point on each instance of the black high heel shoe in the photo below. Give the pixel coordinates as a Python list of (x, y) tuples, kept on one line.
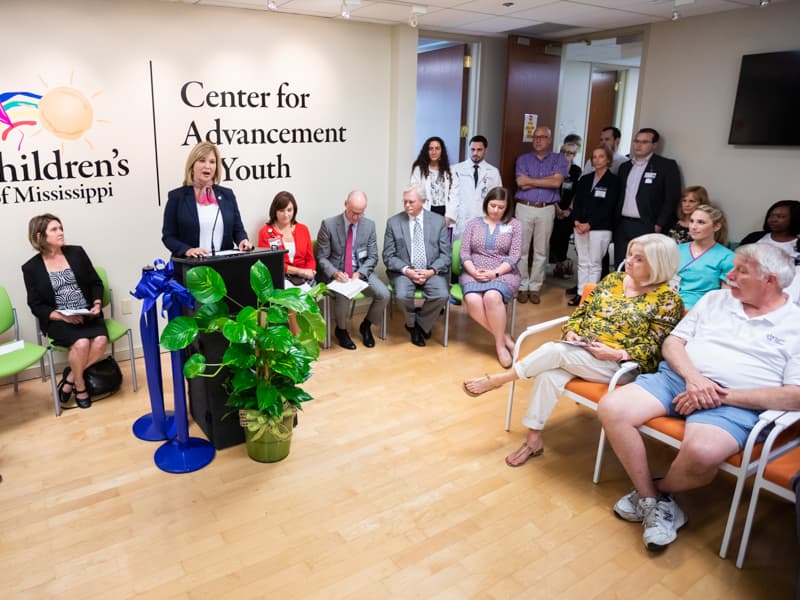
[(64, 397), (83, 402)]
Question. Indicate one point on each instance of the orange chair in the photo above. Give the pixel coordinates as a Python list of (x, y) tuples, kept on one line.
[(775, 470)]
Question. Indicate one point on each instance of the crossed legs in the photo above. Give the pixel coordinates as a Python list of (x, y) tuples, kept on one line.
[(82, 353), (489, 311)]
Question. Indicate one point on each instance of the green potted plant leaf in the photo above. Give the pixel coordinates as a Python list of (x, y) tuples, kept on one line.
[(266, 363)]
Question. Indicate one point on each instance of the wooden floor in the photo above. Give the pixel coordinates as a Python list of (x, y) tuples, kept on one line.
[(395, 488)]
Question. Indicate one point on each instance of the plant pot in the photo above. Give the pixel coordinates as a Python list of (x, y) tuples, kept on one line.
[(269, 447)]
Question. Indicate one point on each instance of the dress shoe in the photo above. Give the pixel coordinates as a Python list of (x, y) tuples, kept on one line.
[(85, 402), (534, 297), (574, 301), (416, 335), (366, 333), (571, 291), (522, 297), (344, 339)]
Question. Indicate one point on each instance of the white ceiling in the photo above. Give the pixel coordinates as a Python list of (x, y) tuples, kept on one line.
[(544, 19)]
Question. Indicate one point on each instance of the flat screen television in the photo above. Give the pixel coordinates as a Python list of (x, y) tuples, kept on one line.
[(767, 109)]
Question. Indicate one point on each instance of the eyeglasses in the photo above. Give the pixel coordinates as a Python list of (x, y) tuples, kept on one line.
[(570, 152)]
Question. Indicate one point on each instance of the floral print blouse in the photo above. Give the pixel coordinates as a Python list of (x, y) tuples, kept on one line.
[(637, 325)]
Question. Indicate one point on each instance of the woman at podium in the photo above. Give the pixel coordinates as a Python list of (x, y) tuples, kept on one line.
[(202, 217)]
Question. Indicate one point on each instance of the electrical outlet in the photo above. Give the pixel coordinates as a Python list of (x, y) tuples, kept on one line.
[(127, 307)]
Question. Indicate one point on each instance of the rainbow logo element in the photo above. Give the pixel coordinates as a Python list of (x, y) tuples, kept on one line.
[(16, 110), (63, 111)]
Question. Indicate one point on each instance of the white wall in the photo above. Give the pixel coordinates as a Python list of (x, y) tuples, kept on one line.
[(688, 87), (360, 77)]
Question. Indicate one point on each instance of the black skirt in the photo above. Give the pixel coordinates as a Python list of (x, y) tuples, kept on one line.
[(65, 334)]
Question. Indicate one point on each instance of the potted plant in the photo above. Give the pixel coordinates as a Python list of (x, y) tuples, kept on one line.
[(266, 363)]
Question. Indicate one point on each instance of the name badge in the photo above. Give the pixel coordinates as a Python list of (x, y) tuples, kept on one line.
[(599, 192), (362, 253), (648, 181), (567, 185), (274, 243), (505, 228)]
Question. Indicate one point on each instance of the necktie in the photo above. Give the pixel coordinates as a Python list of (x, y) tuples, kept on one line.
[(475, 174), (418, 245), (348, 251)]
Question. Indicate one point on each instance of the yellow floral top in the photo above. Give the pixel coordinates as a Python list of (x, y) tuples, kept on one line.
[(637, 325)]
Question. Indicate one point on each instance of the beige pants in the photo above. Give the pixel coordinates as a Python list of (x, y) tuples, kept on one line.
[(553, 365)]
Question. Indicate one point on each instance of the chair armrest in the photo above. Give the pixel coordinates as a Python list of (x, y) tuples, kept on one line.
[(533, 329), (784, 419), (624, 368)]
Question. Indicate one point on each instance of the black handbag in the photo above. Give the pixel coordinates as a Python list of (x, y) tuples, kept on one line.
[(103, 378)]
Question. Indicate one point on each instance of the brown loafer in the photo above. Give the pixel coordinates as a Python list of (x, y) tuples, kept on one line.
[(534, 297), (522, 297)]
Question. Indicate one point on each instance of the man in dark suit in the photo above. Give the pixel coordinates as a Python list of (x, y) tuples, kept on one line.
[(347, 248), (650, 188), (416, 252)]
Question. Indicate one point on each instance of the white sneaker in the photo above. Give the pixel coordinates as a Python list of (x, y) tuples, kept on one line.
[(662, 520), (627, 508)]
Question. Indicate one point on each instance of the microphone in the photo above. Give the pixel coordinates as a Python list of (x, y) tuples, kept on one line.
[(216, 217)]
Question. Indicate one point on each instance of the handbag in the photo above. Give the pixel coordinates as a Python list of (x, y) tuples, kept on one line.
[(103, 378)]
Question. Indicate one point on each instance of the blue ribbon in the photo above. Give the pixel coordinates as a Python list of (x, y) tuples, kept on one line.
[(157, 281)]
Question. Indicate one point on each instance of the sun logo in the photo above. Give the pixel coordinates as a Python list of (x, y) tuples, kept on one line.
[(64, 111)]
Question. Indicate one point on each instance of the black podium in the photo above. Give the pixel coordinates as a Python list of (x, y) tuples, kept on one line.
[(207, 396)]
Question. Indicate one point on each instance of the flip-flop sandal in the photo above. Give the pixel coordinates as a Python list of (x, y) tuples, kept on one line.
[(475, 394), (531, 454)]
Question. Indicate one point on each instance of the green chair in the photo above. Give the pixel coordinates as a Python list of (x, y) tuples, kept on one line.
[(15, 361), (116, 331)]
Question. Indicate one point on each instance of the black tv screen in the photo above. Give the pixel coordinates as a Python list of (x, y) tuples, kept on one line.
[(767, 109)]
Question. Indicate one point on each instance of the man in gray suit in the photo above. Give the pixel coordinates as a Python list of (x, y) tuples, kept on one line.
[(416, 252), (347, 248)]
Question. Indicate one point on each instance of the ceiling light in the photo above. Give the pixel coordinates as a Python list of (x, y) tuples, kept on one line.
[(345, 11), (675, 15), (764, 3), (272, 6)]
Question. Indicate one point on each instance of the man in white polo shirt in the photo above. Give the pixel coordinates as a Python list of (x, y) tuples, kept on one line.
[(735, 354)]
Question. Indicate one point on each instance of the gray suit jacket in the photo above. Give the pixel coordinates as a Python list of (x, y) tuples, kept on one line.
[(331, 241), (397, 243)]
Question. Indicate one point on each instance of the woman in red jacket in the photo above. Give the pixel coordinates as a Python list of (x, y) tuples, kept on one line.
[(284, 232)]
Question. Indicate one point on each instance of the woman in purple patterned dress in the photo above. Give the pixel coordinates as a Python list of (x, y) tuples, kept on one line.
[(490, 250)]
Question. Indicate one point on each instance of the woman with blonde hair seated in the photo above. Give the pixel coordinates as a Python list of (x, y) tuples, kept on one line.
[(626, 317), (705, 261)]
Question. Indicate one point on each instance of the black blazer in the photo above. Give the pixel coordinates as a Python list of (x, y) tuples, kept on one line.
[(657, 201), (181, 229), (42, 298), (590, 206)]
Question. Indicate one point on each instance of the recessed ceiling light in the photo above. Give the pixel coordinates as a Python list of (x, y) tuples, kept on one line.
[(508, 4)]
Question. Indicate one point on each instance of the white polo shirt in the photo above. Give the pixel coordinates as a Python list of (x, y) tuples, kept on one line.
[(739, 352)]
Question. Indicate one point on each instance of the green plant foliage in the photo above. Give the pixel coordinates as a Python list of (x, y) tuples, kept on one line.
[(266, 363)]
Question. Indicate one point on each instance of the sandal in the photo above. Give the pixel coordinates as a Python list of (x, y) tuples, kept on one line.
[(529, 453), (83, 402), (472, 394)]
